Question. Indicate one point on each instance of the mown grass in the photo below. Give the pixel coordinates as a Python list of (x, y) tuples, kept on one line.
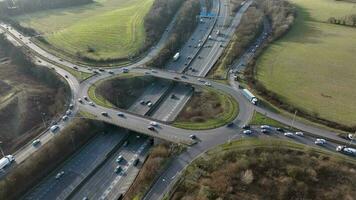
[(224, 110), (312, 66), (260, 119), (111, 28)]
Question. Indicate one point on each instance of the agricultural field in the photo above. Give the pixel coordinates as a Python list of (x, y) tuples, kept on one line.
[(247, 168), (105, 29), (313, 66)]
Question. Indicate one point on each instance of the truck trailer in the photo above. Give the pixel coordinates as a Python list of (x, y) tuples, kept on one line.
[(249, 96), (346, 150), (176, 56), (5, 161)]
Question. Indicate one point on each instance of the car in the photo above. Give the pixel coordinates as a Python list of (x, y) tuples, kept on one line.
[(200, 80), (36, 142), (105, 114), (120, 114), (66, 76), (207, 83), (288, 134), (265, 127), (173, 96), (125, 70), (149, 104), (279, 129), (68, 112), (85, 198), (264, 130), (153, 123), (110, 72), (101, 69), (119, 158), (246, 127), (184, 77), (54, 128), (176, 78), (80, 100), (65, 118), (247, 132), (153, 71), (86, 98), (299, 133), (91, 103), (151, 128), (136, 161), (320, 141), (231, 124), (147, 73), (59, 175), (193, 136), (126, 143), (118, 169), (75, 67), (142, 102), (71, 106)]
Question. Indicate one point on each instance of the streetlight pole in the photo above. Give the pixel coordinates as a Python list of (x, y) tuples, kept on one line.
[(295, 114), (2, 152)]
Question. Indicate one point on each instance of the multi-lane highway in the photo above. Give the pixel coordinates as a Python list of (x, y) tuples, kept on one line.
[(198, 56)]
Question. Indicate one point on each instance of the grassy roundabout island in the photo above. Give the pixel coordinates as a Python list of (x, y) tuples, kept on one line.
[(312, 67), (248, 168), (206, 109)]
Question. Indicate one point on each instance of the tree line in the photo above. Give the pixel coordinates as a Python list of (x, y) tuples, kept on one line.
[(184, 26), (349, 20)]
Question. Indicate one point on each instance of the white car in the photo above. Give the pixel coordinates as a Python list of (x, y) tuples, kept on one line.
[(288, 134), (152, 123), (265, 127), (207, 84), (91, 103), (299, 133), (36, 142), (149, 104), (119, 159), (200, 80), (68, 112), (59, 175), (64, 118), (320, 141), (247, 132), (54, 128), (153, 71)]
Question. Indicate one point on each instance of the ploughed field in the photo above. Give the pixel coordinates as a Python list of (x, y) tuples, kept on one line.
[(105, 29), (313, 66)]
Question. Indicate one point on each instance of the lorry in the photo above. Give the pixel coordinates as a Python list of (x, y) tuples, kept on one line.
[(250, 96), (176, 56), (346, 150), (6, 161)]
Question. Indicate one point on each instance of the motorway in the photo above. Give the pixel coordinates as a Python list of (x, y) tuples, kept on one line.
[(167, 111)]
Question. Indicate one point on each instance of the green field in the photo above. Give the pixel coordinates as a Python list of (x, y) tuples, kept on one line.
[(313, 66), (110, 28)]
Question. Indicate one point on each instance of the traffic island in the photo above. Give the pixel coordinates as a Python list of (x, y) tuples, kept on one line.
[(207, 109)]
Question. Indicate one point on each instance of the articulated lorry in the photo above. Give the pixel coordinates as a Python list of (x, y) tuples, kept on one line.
[(250, 96), (346, 150), (5, 161)]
